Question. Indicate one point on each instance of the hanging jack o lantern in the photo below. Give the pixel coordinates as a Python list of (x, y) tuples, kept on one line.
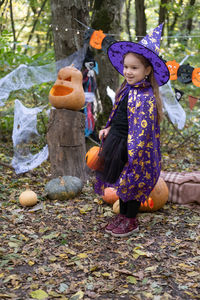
[(173, 68), (185, 73), (96, 39), (196, 77), (67, 92)]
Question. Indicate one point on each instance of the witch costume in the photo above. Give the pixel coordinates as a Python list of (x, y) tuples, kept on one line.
[(131, 155)]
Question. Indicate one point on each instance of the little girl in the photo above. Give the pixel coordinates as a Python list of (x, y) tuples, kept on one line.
[(131, 137)]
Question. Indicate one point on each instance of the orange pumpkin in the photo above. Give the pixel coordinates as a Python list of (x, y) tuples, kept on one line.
[(67, 92), (110, 196), (96, 39), (156, 200), (173, 68), (196, 77), (116, 207), (92, 158)]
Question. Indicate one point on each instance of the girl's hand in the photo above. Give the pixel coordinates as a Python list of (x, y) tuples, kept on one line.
[(104, 132)]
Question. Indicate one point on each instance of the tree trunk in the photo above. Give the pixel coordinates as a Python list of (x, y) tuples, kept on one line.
[(189, 21), (65, 27), (128, 6), (106, 16), (34, 24), (66, 137), (140, 29), (173, 24), (162, 12), (66, 142), (13, 25)]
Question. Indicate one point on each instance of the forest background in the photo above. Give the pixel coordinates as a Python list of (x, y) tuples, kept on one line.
[(57, 249), (37, 32)]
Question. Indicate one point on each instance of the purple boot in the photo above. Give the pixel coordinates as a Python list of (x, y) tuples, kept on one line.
[(114, 223)]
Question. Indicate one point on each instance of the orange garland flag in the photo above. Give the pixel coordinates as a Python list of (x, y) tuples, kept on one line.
[(173, 67), (196, 77), (96, 39)]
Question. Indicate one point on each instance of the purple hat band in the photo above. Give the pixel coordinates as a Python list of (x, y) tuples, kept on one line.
[(117, 51)]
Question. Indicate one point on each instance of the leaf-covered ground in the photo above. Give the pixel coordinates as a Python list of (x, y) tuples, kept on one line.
[(59, 250)]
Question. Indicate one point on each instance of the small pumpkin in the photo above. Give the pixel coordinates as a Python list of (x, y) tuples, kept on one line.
[(67, 92), (92, 158), (196, 77), (173, 68), (28, 197), (116, 207), (110, 195), (156, 200), (63, 187)]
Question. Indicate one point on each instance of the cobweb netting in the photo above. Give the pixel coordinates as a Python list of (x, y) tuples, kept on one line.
[(25, 135), (173, 108)]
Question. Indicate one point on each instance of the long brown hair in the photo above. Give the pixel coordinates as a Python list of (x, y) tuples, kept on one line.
[(154, 85)]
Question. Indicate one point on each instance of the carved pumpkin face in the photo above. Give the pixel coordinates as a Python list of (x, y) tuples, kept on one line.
[(196, 77), (157, 198), (96, 39), (185, 73), (173, 68), (67, 92)]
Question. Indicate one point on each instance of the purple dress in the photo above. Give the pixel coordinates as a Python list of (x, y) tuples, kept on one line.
[(142, 170)]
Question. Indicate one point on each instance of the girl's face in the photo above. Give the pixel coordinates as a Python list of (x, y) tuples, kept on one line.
[(134, 70)]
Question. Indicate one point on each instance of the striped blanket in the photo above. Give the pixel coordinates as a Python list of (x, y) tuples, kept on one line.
[(184, 187)]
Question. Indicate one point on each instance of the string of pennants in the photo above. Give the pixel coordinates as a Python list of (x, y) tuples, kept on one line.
[(192, 100), (183, 73)]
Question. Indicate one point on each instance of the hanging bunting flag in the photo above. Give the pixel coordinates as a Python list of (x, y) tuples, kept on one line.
[(178, 94), (107, 41), (196, 77), (192, 101), (96, 39), (87, 35), (185, 73), (173, 67)]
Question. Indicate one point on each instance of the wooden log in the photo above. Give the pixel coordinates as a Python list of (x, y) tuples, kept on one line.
[(66, 142)]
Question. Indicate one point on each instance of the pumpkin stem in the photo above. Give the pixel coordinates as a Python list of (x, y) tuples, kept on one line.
[(62, 182), (27, 186)]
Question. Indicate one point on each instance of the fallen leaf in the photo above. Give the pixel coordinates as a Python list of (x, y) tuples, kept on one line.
[(63, 287), (78, 296), (131, 279), (82, 255), (106, 274), (39, 294)]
